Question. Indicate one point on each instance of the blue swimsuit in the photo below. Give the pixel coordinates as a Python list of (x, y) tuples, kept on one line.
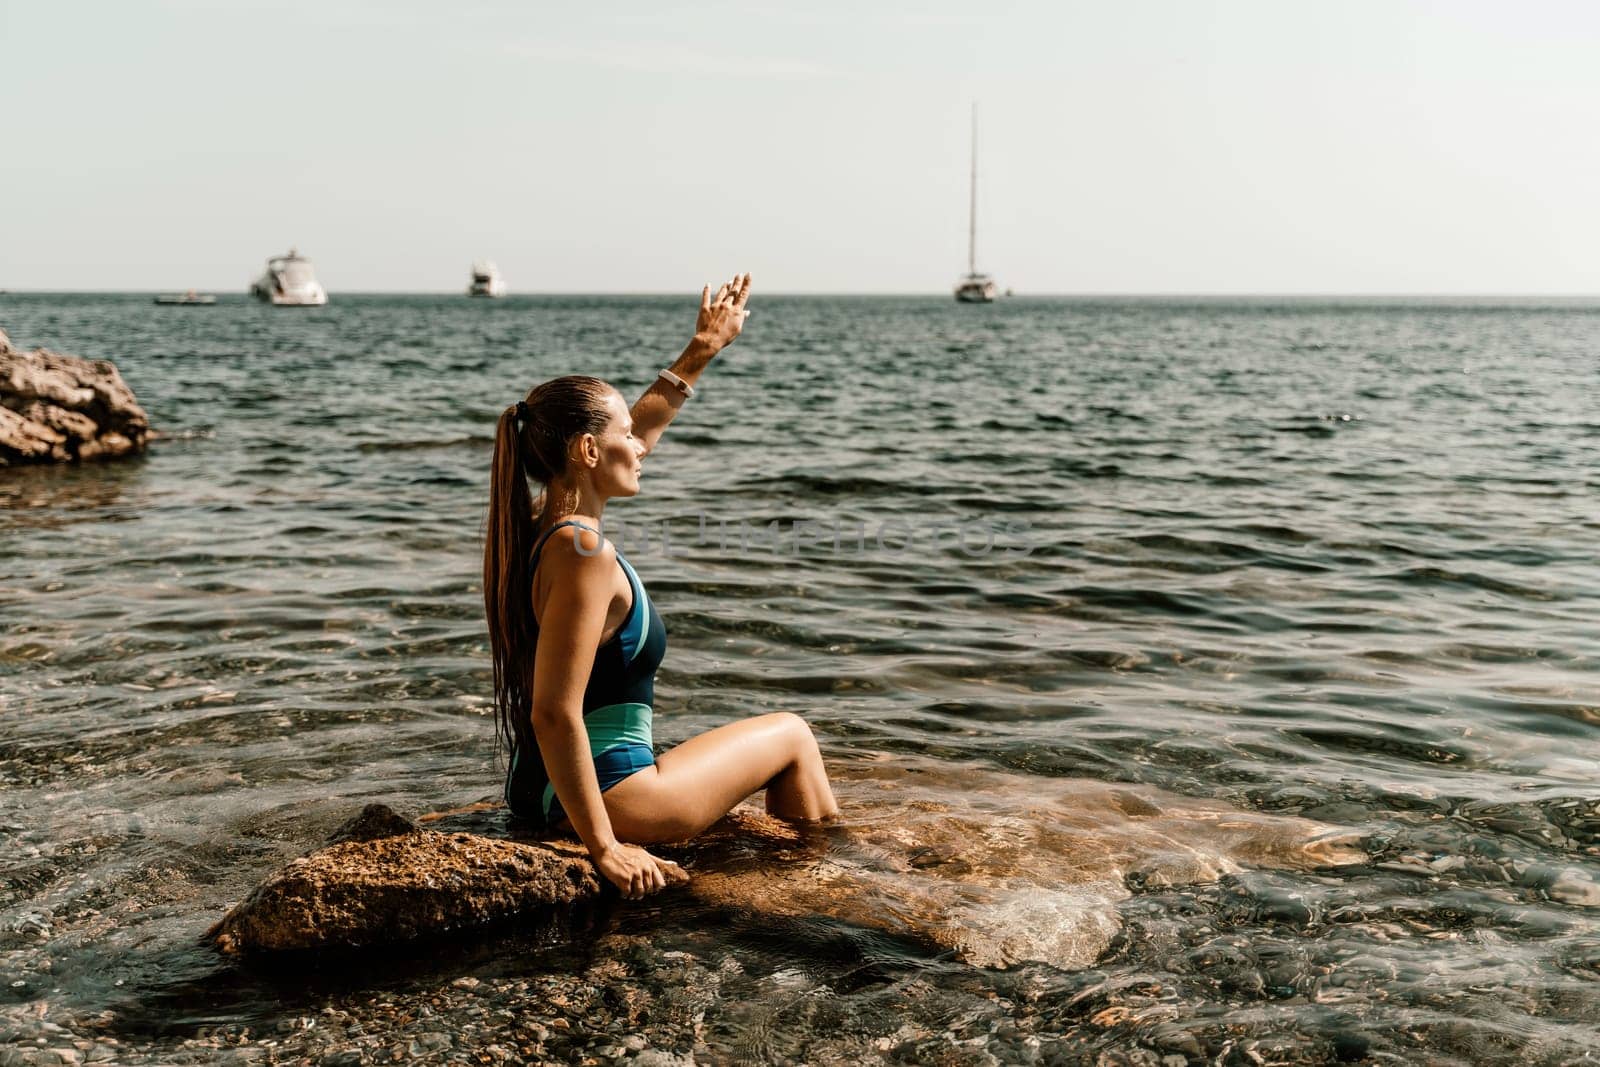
[(616, 704)]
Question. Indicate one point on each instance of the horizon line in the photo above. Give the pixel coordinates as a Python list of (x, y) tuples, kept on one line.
[(943, 294)]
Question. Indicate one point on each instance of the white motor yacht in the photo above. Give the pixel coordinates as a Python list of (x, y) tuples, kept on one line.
[(975, 288), (290, 281), (486, 280)]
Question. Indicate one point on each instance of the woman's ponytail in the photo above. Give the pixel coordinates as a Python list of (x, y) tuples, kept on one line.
[(508, 538), (530, 443)]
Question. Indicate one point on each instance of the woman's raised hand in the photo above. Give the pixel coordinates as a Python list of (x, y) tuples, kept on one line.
[(635, 872), (722, 313)]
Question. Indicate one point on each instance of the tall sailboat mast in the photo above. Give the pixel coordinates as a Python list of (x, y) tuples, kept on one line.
[(972, 213), (975, 288)]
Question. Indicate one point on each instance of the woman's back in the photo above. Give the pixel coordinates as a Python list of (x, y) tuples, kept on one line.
[(617, 702)]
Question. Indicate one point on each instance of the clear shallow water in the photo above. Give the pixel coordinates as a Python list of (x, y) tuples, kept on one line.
[(1307, 559)]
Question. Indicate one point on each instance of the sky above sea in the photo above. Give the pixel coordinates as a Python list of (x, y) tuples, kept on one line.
[(1159, 146)]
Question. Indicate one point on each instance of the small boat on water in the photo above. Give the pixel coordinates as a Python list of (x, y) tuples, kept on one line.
[(975, 288), (486, 280), (290, 281), (187, 299)]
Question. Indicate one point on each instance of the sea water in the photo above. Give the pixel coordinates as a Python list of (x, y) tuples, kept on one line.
[(1059, 583)]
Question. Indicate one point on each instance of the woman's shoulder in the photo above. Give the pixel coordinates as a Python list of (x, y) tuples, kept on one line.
[(579, 549), (576, 566)]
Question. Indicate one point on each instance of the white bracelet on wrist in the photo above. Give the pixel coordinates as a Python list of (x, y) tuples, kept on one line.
[(683, 386)]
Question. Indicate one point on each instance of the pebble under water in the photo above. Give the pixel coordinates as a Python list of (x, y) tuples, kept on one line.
[(1222, 676)]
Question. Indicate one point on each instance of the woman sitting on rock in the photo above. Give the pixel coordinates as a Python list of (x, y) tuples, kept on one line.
[(576, 640)]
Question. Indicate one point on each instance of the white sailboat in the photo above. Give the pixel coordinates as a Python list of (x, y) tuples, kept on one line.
[(975, 288), (290, 281)]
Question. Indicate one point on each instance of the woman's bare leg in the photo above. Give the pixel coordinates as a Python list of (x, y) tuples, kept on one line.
[(701, 780)]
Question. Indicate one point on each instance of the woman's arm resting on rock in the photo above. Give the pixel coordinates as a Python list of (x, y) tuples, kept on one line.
[(721, 318)]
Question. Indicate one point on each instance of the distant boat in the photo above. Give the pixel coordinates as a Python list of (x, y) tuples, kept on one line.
[(486, 280), (290, 282), (975, 288), (187, 299)]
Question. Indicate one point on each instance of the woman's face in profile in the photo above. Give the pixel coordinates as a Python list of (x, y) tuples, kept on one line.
[(621, 453)]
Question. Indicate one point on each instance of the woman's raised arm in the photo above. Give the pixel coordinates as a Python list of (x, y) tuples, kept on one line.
[(721, 318)]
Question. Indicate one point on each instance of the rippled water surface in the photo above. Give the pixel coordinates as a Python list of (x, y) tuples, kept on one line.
[(1299, 561)]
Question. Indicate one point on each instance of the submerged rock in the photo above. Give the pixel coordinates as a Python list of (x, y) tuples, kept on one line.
[(998, 868), (56, 408), (1003, 868), (1574, 886)]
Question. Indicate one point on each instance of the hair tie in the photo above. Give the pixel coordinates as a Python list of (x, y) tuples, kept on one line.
[(522, 410)]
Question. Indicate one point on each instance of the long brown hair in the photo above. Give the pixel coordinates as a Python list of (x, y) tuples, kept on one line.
[(530, 444)]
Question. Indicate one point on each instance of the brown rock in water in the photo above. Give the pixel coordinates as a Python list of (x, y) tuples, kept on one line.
[(371, 823), (387, 881), (384, 880), (57, 408)]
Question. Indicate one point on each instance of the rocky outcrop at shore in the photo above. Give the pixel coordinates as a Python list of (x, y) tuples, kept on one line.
[(59, 408)]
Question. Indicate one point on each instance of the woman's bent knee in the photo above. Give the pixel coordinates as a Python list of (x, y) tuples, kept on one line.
[(790, 732), (795, 725), (788, 722), (807, 737)]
